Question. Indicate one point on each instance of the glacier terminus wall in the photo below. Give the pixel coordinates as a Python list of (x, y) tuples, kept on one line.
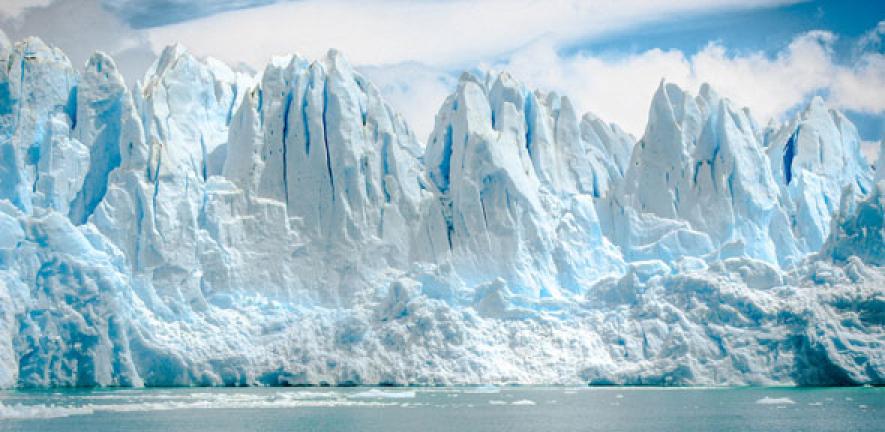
[(209, 227)]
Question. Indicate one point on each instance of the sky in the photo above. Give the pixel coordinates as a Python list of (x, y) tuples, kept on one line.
[(608, 56)]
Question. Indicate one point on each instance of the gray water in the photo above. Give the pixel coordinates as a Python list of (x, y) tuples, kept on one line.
[(445, 409)]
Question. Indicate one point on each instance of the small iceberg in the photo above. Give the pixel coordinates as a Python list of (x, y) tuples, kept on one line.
[(483, 390), (381, 394), (25, 412), (775, 401)]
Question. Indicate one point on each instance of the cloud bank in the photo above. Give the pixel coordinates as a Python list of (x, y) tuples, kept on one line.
[(414, 51), (455, 33), (617, 88)]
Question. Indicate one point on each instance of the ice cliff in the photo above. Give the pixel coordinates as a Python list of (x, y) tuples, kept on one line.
[(213, 228)]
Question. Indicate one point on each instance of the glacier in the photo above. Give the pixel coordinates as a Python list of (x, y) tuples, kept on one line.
[(209, 227)]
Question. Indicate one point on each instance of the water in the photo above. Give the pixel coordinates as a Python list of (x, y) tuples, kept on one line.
[(445, 409)]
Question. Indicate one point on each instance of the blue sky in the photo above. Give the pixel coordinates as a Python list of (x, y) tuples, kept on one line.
[(769, 55), (768, 29)]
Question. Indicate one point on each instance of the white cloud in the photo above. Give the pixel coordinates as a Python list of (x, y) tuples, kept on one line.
[(873, 38), (79, 28), (450, 33), (616, 89), (862, 87), (415, 90), (414, 50), (769, 86), (620, 89), (870, 150), (11, 9)]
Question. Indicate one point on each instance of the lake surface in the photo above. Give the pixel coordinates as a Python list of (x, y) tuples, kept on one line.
[(445, 409)]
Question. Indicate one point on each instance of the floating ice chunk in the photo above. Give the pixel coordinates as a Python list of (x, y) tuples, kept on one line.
[(168, 402), (523, 402), (483, 390), (382, 394), (775, 401), (23, 412)]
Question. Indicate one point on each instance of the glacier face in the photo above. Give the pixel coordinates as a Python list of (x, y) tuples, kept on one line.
[(214, 228)]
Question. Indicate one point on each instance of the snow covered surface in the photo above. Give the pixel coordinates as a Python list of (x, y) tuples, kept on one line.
[(212, 228)]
